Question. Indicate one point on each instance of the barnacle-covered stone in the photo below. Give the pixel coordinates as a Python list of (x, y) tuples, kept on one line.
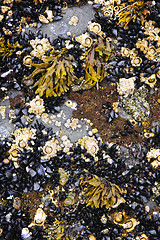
[(36, 106), (40, 46), (90, 144), (94, 27), (50, 148), (85, 40), (126, 86), (137, 105)]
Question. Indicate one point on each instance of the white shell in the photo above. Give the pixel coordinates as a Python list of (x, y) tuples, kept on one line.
[(94, 27), (126, 86), (85, 40), (36, 106), (25, 234), (39, 217)]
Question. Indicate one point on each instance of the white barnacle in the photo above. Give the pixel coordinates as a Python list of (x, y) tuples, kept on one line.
[(50, 148), (94, 27), (85, 40), (36, 106), (25, 234), (40, 46), (39, 218), (27, 61), (90, 143)]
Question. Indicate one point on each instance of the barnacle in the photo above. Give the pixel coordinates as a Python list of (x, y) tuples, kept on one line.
[(85, 40), (39, 218), (132, 11), (40, 46), (90, 143), (99, 192), (96, 57), (57, 73), (36, 106), (151, 80), (50, 148), (94, 27), (125, 221), (6, 49)]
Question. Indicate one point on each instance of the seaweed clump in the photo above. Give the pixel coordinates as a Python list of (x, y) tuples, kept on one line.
[(96, 57), (100, 192), (57, 73), (6, 49), (133, 11)]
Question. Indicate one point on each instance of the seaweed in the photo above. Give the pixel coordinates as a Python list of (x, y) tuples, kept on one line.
[(96, 58), (132, 12), (57, 73), (99, 192), (6, 48)]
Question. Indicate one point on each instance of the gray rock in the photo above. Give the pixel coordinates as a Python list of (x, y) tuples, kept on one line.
[(61, 27)]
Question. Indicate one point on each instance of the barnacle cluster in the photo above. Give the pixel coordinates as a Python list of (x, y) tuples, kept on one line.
[(99, 192), (137, 105), (40, 46), (89, 143), (133, 54), (154, 154), (127, 11), (36, 106), (145, 45), (57, 73), (21, 138)]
